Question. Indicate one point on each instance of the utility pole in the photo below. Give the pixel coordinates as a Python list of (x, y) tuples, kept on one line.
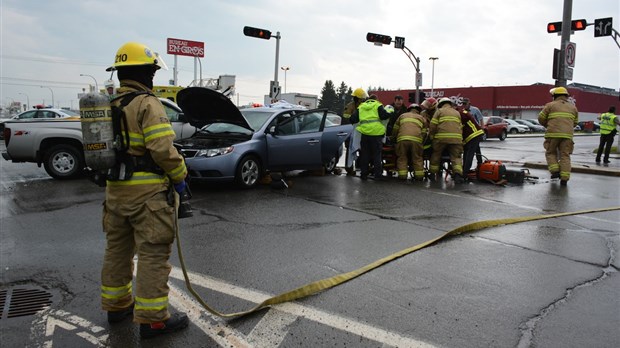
[(566, 29)]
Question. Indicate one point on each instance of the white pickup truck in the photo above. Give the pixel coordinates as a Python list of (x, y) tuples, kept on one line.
[(57, 143)]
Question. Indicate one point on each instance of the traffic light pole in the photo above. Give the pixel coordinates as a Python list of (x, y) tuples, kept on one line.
[(274, 94), (416, 64), (566, 29)]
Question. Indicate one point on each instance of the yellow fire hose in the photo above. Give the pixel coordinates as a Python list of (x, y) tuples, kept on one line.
[(327, 283)]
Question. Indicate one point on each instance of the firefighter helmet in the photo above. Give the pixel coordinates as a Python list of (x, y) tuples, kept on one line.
[(429, 103), (558, 91), (443, 101), (414, 106), (360, 93), (134, 53)]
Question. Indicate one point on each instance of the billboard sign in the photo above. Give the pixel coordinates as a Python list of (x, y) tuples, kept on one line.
[(186, 48)]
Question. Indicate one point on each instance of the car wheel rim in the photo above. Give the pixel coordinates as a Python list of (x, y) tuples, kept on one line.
[(63, 162), (249, 173)]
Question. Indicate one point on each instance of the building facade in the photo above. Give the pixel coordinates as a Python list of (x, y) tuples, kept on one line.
[(519, 102)]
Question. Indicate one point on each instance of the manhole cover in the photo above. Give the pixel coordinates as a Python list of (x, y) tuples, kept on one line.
[(20, 302)]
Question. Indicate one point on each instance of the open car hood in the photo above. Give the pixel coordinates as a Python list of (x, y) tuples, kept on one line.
[(202, 106)]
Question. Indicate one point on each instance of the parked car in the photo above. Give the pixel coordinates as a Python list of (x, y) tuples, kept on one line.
[(494, 127), (515, 127), (38, 114), (534, 121), (534, 128), (582, 126), (242, 145)]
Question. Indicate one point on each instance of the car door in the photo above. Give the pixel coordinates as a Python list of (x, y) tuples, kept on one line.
[(296, 142), (334, 134)]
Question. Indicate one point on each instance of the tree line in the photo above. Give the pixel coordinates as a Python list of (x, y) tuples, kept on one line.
[(335, 99)]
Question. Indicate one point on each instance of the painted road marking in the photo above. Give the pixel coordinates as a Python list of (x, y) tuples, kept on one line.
[(297, 310), (47, 321)]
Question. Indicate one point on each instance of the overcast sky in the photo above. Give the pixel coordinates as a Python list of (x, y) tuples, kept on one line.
[(478, 42)]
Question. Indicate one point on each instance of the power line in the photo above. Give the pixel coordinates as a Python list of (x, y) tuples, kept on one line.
[(39, 82), (52, 60)]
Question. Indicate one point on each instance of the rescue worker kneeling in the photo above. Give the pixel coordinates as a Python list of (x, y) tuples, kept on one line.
[(446, 132), (137, 217), (408, 133)]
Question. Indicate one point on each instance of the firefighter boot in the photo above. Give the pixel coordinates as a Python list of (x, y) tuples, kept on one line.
[(118, 316), (177, 322)]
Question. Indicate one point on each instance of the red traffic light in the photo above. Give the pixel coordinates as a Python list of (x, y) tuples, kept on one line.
[(578, 24), (378, 38), (256, 32), (554, 27)]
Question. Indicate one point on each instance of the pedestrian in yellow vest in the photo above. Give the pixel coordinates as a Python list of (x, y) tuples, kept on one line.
[(608, 131)]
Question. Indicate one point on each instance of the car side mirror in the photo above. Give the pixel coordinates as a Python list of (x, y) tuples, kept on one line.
[(182, 118), (272, 130)]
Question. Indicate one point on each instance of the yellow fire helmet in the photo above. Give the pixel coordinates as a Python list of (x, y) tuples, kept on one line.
[(360, 93), (134, 53), (558, 91)]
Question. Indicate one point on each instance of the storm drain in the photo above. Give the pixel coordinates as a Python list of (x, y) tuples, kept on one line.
[(20, 302)]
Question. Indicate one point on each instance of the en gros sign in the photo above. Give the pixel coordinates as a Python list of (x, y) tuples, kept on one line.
[(186, 48)]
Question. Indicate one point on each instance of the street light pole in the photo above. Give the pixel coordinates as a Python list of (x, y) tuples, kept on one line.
[(94, 79), (27, 100), (285, 68), (433, 75), (50, 88)]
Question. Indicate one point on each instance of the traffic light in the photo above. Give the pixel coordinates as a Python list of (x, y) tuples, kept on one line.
[(378, 38), (554, 27), (256, 32), (578, 24)]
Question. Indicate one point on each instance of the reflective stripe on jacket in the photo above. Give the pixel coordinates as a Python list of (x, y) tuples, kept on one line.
[(560, 117), (446, 124), (471, 129), (410, 126), (369, 121)]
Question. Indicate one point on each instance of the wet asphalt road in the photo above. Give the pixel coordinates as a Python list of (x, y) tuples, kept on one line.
[(547, 283)]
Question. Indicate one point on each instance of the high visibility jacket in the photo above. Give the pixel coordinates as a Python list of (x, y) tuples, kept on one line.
[(560, 117), (369, 121), (410, 126), (149, 130), (446, 125), (471, 129), (608, 123)]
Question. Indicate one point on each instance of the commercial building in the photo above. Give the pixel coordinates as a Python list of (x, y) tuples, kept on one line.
[(519, 102)]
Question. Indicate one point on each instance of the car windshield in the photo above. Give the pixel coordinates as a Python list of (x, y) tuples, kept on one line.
[(70, 112), (256, 119)]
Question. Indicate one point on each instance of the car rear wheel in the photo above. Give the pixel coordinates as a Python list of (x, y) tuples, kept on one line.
[(249, 172), (503, 136), (63, 162), (514, 131), (331, 164)]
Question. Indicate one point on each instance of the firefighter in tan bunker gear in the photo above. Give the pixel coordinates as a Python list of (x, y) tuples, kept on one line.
[(446, 132), (560, 117), (408, 133), (137, 217)]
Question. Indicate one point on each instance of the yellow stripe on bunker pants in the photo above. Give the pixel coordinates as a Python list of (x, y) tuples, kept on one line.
[(557, 154), (145, 229), (455, 151)]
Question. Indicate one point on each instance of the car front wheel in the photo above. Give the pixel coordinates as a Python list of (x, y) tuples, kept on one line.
[(249, 172), (503, 136), (63, 162), (513, 131)]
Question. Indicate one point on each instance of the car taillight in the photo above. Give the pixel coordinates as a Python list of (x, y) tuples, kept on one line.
[(6, 133)]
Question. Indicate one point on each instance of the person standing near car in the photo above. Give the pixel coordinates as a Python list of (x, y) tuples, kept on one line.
[(472, 136), (409, 133), (353, 142), (369, 116), (138, 218), (560, 117), (608, 131)]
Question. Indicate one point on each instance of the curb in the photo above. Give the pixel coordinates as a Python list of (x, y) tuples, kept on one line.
[(579, 168)]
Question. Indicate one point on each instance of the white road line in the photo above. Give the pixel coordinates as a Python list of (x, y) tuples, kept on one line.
[(272, 329), (307, 312)]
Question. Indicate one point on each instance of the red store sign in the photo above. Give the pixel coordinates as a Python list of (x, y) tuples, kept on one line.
[(186, 48)]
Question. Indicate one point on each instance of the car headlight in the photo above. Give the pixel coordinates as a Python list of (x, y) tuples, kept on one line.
[(215, 152)]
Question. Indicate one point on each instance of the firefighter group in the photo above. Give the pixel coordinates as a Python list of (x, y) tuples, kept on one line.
[(442, 134)]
